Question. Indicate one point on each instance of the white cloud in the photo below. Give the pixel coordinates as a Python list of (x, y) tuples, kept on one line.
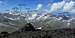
[(39, 6), (64, 6), (68, 6), (57, 6)]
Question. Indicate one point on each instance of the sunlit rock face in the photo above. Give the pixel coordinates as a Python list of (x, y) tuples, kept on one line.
[(47, 20)]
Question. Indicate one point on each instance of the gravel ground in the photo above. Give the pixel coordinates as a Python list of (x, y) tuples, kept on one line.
[(58, 33)]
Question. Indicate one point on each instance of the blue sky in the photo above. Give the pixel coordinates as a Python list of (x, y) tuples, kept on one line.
[(8, 4)]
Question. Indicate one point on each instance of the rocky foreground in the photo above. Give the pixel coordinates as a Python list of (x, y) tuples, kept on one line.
[(58, 33)]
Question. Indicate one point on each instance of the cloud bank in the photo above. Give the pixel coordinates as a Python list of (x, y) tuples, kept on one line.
[(64, 6)]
